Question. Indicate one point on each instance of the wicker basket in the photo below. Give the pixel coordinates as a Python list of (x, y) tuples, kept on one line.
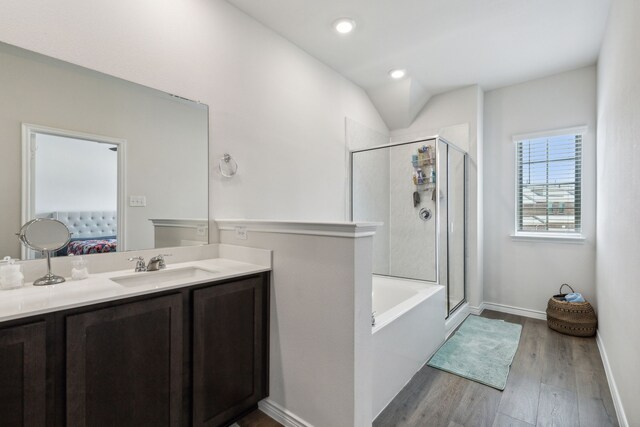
[(571, 318)]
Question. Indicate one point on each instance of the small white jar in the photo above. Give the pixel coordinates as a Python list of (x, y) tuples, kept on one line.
[(11, 276), (79, 269)]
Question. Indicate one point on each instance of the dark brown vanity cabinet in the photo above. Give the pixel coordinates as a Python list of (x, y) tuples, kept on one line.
[(229, 350), (124, 364), (196, 355), (23, 375)]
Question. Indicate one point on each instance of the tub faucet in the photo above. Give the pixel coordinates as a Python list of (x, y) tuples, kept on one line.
[(157, 263)]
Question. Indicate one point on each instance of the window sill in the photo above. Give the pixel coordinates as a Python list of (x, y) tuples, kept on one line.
[(549, 237)]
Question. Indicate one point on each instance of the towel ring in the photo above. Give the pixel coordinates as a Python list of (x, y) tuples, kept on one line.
[(227, 166)]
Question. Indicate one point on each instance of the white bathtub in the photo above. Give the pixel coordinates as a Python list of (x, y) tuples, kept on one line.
[(410, 317)]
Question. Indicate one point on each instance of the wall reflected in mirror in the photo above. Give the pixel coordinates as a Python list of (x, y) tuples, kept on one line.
[(125, 167)]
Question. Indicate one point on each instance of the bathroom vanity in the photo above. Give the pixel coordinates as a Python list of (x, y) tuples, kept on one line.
[(169, 348), (183, 346)]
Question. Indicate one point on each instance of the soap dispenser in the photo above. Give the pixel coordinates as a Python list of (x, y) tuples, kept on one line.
[(11, 276)]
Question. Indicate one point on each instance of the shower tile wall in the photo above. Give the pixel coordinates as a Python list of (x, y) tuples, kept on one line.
[(412, 241)]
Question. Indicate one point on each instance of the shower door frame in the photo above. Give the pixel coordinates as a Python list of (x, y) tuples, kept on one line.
[(435, 139), (465, 155), (437, 217)]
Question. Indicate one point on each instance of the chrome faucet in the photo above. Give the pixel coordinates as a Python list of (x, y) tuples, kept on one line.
[(140, 266), (157, 263)]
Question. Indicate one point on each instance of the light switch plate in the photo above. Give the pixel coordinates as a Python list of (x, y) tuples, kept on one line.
[(137, 201)]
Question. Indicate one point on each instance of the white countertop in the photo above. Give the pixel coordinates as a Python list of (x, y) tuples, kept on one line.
[(31, 300)]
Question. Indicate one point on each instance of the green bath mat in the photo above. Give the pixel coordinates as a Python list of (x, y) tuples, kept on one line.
[(481, 350)]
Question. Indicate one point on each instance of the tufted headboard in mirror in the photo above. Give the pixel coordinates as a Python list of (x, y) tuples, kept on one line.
[(88, 224), (91, 231)]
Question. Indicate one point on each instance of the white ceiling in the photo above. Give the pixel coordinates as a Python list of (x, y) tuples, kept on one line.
[(443, 44)]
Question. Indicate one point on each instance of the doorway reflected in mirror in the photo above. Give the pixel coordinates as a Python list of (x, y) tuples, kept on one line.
[(73, 178)]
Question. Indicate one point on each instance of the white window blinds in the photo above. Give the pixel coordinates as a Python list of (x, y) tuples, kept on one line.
[(549, 184)]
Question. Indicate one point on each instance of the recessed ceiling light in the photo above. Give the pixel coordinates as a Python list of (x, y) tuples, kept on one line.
[(397, 74), (344, 25)]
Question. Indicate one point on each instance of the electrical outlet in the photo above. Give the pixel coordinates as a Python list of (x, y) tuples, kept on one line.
[(201, 230), (241, 233), (137, 201)]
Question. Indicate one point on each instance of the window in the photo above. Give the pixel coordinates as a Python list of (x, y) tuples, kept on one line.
[(549, 183)]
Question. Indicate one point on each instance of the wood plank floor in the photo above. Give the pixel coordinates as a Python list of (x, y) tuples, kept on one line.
[(555, 380), (258, 419)]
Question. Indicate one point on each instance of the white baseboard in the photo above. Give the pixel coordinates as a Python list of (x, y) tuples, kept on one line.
[(615, 395), (477, 310), (525, 312), (282, 415), (455, 320)]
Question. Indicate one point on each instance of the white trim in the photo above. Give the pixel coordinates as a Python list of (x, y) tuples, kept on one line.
[(282, 415), (576, 130), (549, 237), (456, 319), (476, 310), (28, 173), (181, 223), (334, 229), (520, 311), (615, 394), (27, 192)]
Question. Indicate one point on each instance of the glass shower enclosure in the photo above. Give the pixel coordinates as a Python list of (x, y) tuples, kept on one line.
[(418, 191)]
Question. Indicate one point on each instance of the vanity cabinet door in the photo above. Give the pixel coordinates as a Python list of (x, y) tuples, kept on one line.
[(124, 364), (23, 376), (230, 350)]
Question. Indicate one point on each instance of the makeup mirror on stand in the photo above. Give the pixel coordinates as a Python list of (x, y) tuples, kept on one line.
[(47, 236)]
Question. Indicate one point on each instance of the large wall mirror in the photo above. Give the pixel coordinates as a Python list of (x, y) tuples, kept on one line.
[(125, 167)]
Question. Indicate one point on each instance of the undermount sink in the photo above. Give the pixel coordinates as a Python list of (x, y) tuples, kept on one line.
[(162, 277)]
